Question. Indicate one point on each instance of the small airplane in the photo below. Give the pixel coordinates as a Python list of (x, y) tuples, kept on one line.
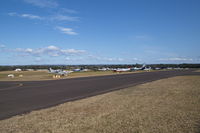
[(59, 72), (139, 68), (122, 70), (147, 68)]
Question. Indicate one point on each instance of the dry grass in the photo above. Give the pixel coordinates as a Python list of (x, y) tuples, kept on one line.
[(197, 70), (44, 75), (164, 106), (27, 75)]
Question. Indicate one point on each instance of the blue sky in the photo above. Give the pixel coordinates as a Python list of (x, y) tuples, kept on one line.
[(99, 31)]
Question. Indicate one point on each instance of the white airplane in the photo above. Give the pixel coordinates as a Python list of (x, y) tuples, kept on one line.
[(59, 72), (122, 70), (139, 68), (147, 68)]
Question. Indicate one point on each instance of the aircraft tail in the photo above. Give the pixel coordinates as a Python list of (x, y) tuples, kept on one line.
[(50, 70), (143, 66)]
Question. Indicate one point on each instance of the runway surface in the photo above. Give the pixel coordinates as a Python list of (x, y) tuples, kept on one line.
[(22, 97)]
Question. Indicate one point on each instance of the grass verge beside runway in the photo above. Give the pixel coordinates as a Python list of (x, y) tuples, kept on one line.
[(44, 75), (167, 105), (197, 70), (27, 75)]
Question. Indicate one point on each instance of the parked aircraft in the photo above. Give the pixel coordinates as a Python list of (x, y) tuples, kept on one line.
[(122, 70), (77, 70), (59, 72), (132, 69), (147, 68), (139, 68)]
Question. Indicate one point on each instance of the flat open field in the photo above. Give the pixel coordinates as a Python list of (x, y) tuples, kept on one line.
[(44, 75), (27, 75), (163, 106), (198, 70)]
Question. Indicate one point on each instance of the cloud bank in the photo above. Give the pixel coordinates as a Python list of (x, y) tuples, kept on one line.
[(68, 31), (176, 59), (50, 51), (57, 15)]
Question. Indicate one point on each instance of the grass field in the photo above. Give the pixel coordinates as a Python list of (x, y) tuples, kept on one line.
[(27, 75), (198, 70), (44, 75), (164, 106)]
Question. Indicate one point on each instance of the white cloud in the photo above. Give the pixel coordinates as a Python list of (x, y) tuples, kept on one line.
[(2, 46), (50, 51), (43, 3), (38, 59), (12, 14), (67, 58), (112, 59), (58, 54), (65, 10), (72, 51), (29, 16), (29, 50), (51, 47), (105, 59), (75, 59), (176, 59), (135, 59), (58, 14), (68, 31), (60, 17)]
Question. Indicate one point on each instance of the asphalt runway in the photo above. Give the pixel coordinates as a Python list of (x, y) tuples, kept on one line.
[(22, 97)]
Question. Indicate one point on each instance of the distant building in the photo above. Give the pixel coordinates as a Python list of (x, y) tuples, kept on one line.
[(77, 70), (85, 70), (18, 70)]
